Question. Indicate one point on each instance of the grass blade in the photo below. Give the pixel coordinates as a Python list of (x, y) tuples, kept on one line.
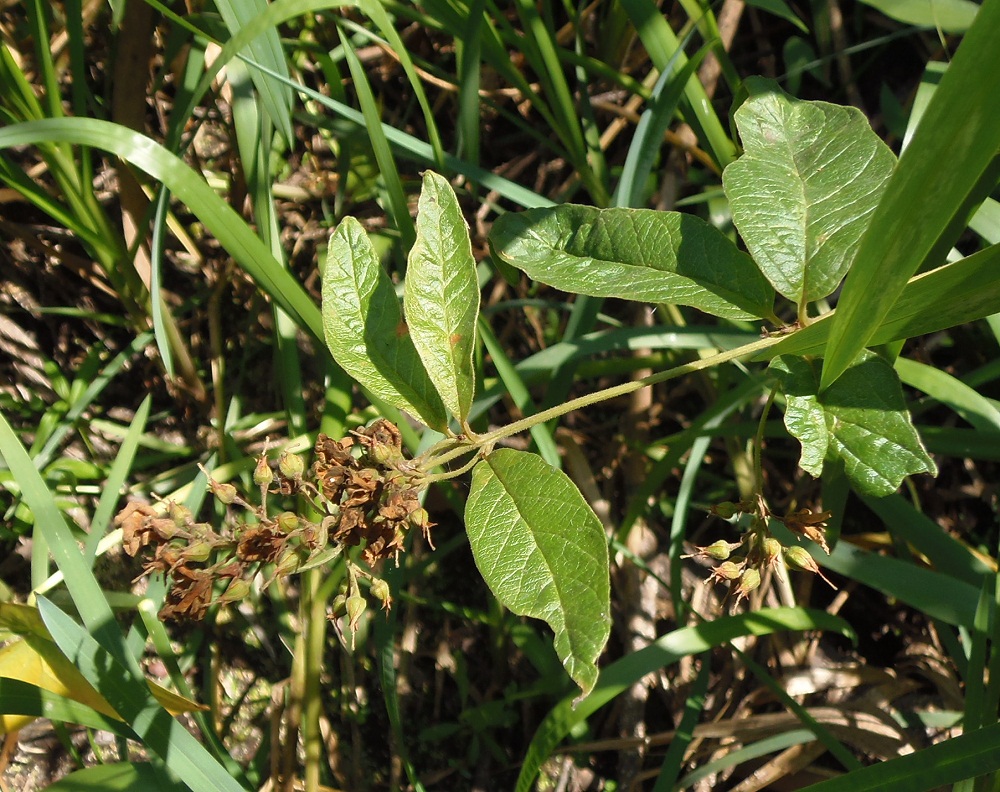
[(924, 203)]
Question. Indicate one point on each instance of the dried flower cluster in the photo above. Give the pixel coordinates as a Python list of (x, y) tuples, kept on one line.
[(758, 551), (368, 497)]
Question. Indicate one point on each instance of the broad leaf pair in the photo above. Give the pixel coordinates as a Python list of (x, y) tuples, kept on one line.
[(801, 197), (536, 541)]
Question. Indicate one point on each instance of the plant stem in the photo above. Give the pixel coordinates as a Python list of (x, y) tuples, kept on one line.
[(491, 438)]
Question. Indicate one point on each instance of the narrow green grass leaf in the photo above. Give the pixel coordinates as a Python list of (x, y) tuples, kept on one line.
[(441, 295), (218, 217), (665, 651), (131, 698), (951, 295), (805, 188), (397, 205), (662, 43), (117, 777), (780, 9), (266, 50), (862, 420), (966, 756), (24, 699), (365, 331), (940, 385), (652, 126), (925, 205), (514, 385), (634, 254), (945, 553), (543, 553)]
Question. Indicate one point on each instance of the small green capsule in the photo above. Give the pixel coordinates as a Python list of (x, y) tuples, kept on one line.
[(380, 590), (288, 563), (356, 606), (772, 549), (291, 466), (749, 580), (725, 510), (287, 521), (728, 570), (262, 474), (720, 550), (226, 493), (197, 551), (180, 514), (339, 605), (237, 590), (799, 558)]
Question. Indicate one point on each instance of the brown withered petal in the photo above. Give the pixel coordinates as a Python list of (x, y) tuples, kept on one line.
[(132, 521), (260, 543), (189, 596), (351, 528)]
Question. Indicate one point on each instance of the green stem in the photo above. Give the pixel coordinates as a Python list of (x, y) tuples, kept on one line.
[(491, 438)]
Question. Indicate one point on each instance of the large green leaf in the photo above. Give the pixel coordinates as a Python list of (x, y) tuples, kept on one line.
[(441, 296), (861, 419), (634, 254), (950, 16), (803, 191), (543, 553), (365, 331)]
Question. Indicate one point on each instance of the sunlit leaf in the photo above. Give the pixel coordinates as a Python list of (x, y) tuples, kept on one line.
[(441, 295), (543, 552), (634, 254), (805, 188), (365, 331), (861, 419)]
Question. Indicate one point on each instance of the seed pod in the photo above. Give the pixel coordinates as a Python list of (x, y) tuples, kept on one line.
[(238, 589), (725, 510), (727, 570), (772, 550), (288, 562), (197, 551), (287, 522), (380, 590), (226, 493), (356, 606), (798, 558), (749, 580), (291, 466), (179, 513), (339, 605), (720, 550), (262, 474)]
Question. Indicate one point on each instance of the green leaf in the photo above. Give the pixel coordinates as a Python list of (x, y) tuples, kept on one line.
[(803, 192), (119, 777), (634, 254), (950, 16), (543, 553), (861, 419), (365, 331), (441, 295)]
